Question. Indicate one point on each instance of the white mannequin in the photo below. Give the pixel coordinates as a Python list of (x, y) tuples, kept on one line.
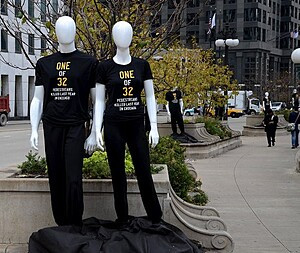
[(122, 36), (65, 29), (266, 97), (180, 104)]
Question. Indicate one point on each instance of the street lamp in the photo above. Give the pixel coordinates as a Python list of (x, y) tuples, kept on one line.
[(228, 39), (227, 43), (296, 56)]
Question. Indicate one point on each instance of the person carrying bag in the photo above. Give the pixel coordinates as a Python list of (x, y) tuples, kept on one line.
[(293, 128)]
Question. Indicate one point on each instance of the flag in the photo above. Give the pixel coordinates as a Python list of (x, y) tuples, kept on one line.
[(209, 26), (294, 34), (211, 23)]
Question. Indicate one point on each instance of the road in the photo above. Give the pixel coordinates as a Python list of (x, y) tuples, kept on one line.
[(14, 140)]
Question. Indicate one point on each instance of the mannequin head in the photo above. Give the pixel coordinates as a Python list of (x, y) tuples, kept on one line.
[(266, 94), (122, 34), (65, 29), (294, 91)]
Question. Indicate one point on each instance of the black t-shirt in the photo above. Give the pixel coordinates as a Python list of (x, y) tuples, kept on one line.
[(124, 84), (67, 79), (173, 98), (267, 102), (295, 97)]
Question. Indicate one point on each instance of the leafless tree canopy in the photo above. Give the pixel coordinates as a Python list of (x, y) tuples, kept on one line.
[(94, 20)]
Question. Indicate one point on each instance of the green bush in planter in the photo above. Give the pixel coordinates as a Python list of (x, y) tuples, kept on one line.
[(34, 165), (96, 166), (169, 152), (214, 127)]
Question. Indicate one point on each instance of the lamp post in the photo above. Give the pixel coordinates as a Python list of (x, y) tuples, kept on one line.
[(296, 59), (228, 39)]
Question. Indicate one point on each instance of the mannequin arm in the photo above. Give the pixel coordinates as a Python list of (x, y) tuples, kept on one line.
[(168, 109), (90, 144), (36, 110), (181, 105), (99, 107), (271, 104), (151, 108), (263, 105)]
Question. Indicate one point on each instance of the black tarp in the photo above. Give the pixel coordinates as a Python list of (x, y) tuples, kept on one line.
[(139, 235)]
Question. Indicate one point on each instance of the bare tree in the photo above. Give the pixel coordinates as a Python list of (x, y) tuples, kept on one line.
[(94, 20)]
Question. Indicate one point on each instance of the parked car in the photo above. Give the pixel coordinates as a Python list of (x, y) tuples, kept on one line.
[(192, 111), (235, 112), (277, 106)]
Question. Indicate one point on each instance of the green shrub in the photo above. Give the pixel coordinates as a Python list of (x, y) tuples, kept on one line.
[(169, 152), (285, 113), (96, 166), (214, 127), (34, 165)]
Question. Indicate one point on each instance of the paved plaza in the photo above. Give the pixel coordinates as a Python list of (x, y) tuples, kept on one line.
[(257, 192)]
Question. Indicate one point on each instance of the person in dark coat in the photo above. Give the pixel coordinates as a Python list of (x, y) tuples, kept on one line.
[(270, 122), (293, 118)]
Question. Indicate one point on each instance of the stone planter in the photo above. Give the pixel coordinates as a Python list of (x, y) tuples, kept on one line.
[(208, 145), (25, 208), (254, 126)]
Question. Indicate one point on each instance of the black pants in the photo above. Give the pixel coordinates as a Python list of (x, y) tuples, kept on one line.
[(64, 155), (176, 118), (271, 136), (132, 132)]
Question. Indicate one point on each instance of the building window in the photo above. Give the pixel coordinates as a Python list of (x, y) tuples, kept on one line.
[(55, 6), (194, 3), (273, 24), (285, 11), (259, 15), (229, 1), (43, 44), (192, 19), (278, 9), (43, 10), (229, 15), (192, 36), (4, 41), (277, 25), (4, 7), (18, 41), (250, 33), (18, 9), (30, 43), (264, 17), (264, 35), (31, 8), (258, 34), (250, 14)]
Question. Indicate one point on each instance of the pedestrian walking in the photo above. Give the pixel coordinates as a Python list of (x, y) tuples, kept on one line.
[(294, 118), (270, 122)]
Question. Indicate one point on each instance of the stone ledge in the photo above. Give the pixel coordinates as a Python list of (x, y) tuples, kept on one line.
[(25, 210), (207, 150)]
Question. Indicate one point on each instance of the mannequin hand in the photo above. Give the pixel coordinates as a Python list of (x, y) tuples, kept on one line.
[(153, 137), (99, 140), (34, 140), (90, 143), (181, 111)]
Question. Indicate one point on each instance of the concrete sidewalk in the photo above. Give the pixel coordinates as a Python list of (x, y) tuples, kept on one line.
[(257, 192)]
